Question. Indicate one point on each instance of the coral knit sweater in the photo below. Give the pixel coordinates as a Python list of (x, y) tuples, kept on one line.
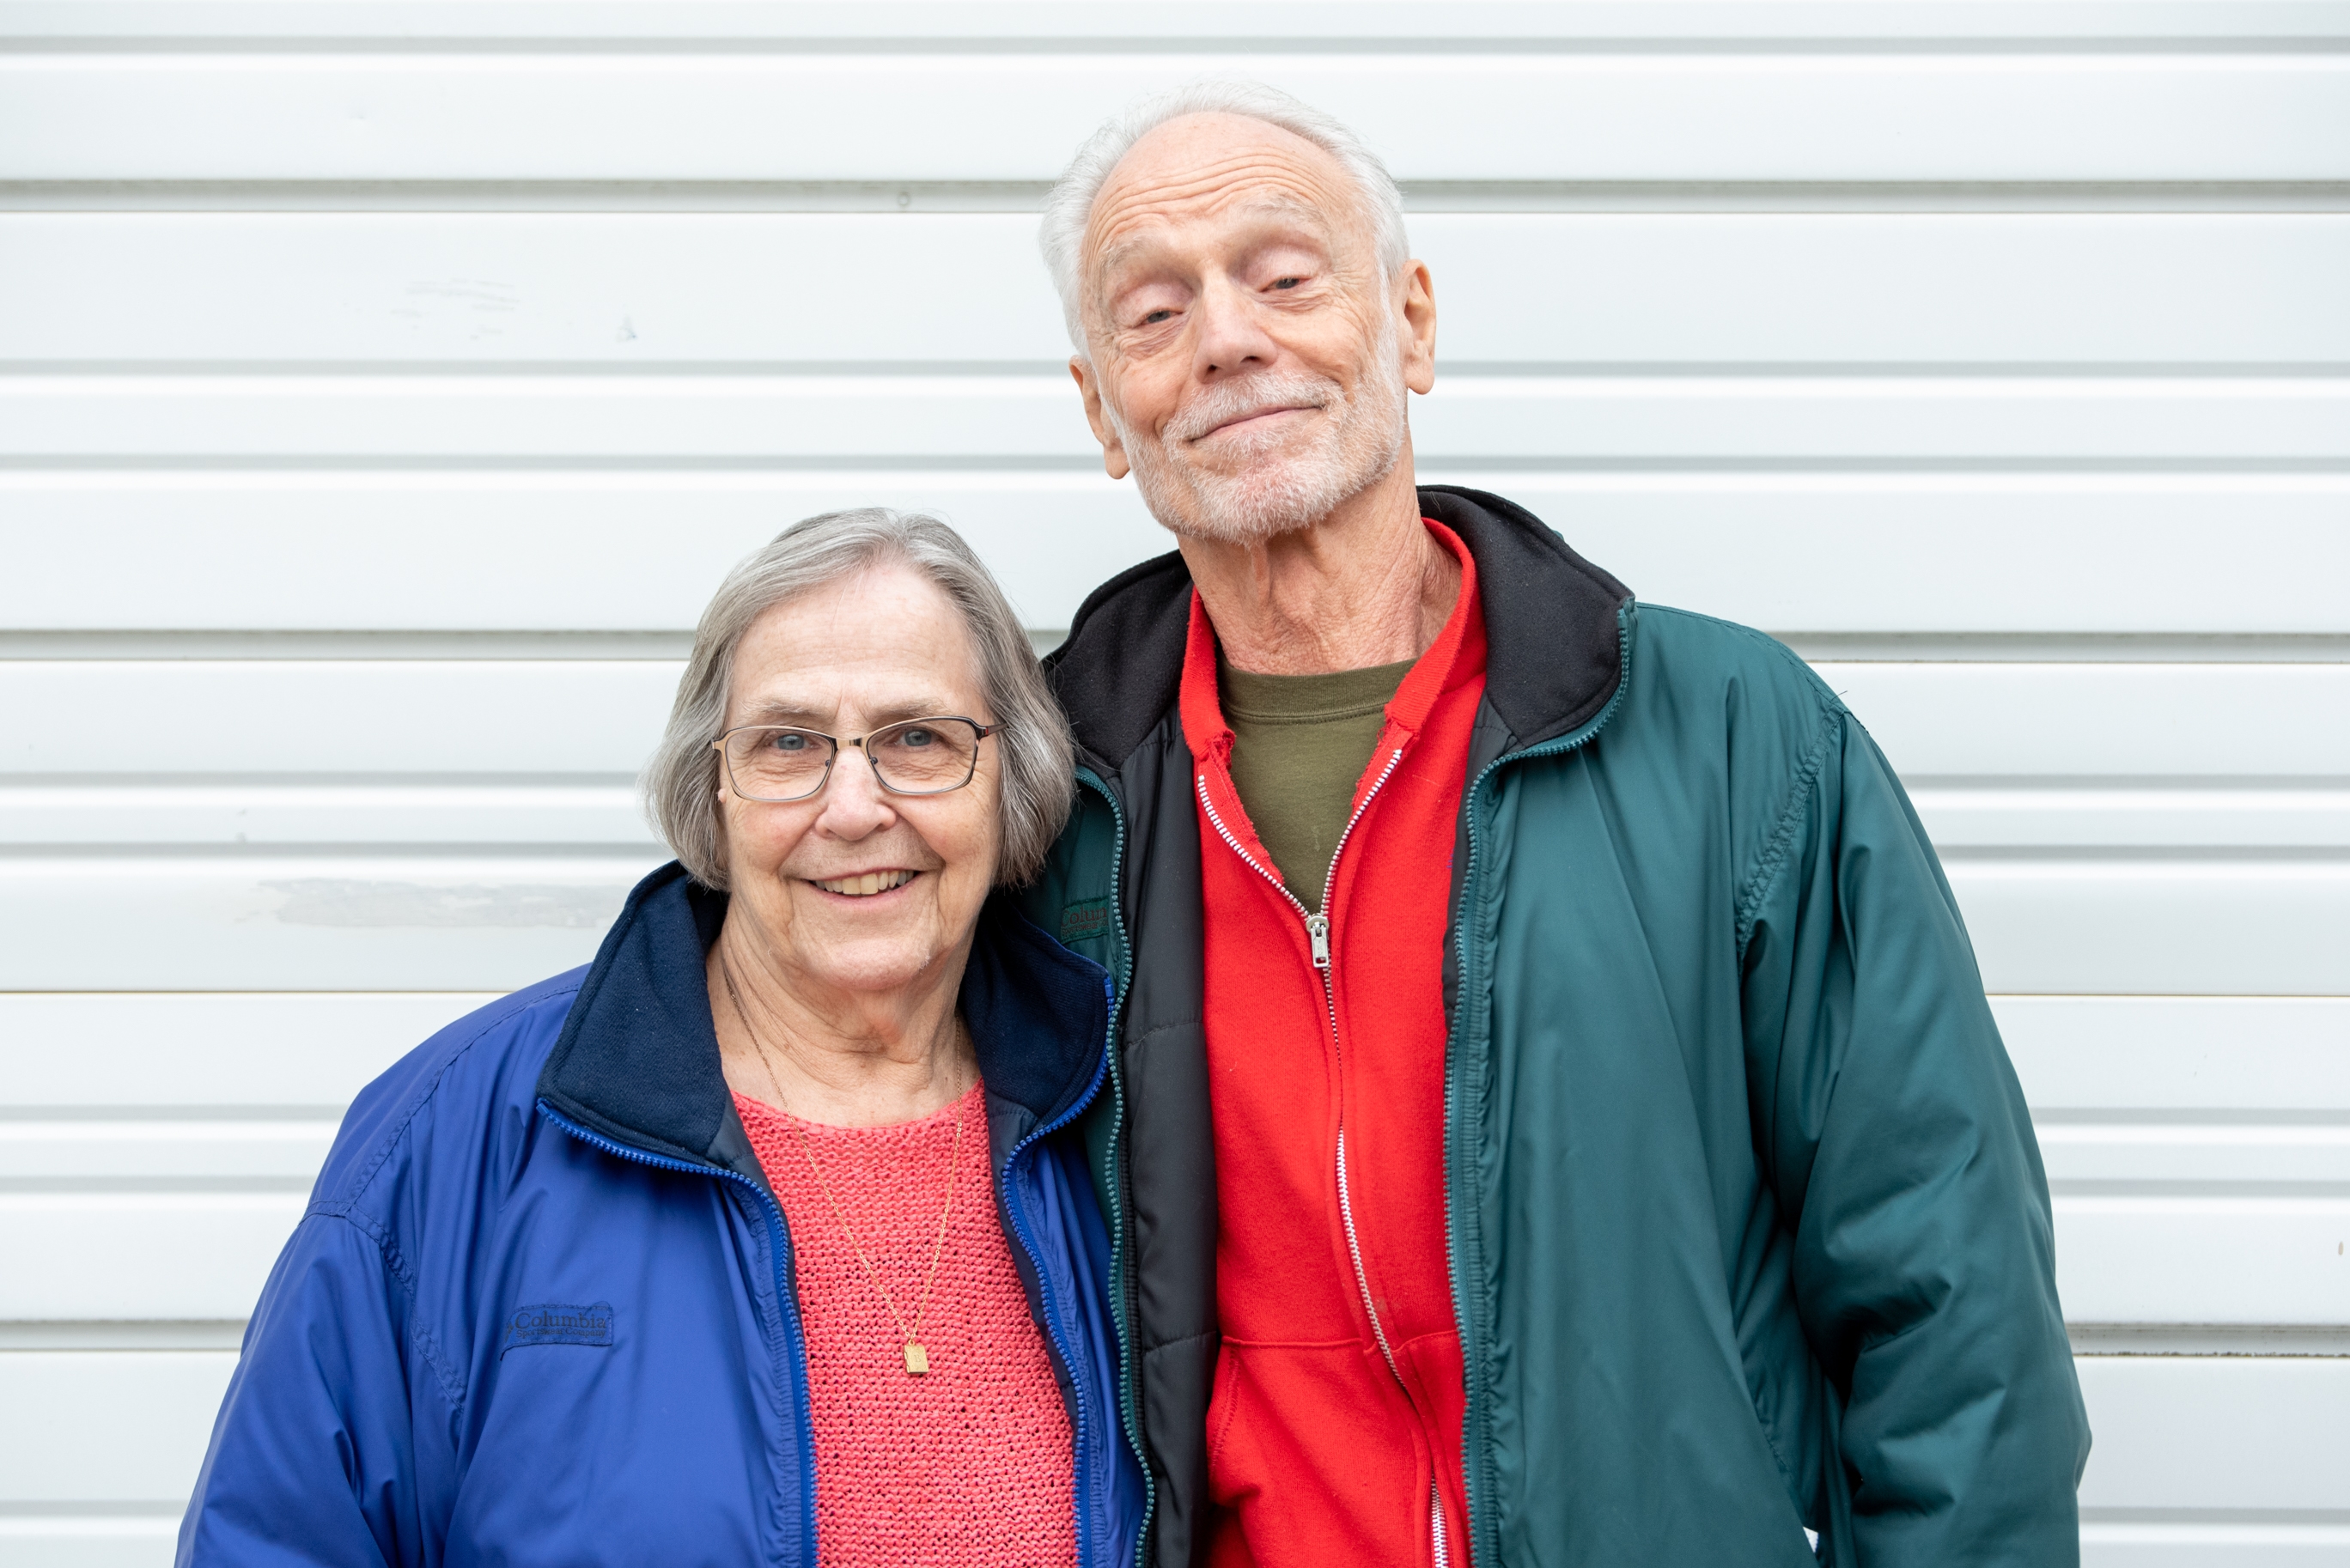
[(1334, 1435), (969, 1465)]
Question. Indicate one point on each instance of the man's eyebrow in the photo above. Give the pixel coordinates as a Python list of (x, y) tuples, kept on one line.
[(1278, 209), (1289, 207)]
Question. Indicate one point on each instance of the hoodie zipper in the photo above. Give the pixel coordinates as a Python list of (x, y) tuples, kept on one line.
[(779, 1249), (1317, 934)]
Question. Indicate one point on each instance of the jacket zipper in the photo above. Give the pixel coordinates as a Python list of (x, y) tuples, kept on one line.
[(1080, 1486), (1475, 1445), (1318, 935), (1129, 1395), (778, 1247)]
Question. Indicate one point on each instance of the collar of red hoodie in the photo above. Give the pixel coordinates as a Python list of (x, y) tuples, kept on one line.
[(1456, 657)]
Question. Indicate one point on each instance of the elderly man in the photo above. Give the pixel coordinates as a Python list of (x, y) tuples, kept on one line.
[(1555, 1114)]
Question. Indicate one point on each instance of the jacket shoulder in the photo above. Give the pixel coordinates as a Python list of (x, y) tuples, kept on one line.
[(1686, 648), (475, 1073), (1713, 700)]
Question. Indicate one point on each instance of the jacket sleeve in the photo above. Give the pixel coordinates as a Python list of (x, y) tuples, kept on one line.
[(1896, 1137), (314, 1458)]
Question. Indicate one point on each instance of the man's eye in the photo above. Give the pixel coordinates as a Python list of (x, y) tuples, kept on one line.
[(1156, 316), (1287, 281)]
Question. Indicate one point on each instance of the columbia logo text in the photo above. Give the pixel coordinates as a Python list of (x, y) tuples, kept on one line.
[(555, 1324)]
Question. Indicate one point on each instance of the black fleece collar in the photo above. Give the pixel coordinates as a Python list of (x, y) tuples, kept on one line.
[(638, 1057), (1553, 647)]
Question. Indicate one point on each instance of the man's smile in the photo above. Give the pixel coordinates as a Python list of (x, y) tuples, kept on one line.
[(1253, 421)]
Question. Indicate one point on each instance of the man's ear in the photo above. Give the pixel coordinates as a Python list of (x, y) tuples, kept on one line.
[(1113, 448), (1420, 327)]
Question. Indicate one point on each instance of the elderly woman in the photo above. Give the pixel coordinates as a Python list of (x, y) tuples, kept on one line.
[(768, 1237)]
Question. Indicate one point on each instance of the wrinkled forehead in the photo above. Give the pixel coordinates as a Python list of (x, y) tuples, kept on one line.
[(1218, 172), (882, 643)]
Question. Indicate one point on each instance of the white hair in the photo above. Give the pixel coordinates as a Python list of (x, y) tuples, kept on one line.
[(1035, 763), (1070, 204)]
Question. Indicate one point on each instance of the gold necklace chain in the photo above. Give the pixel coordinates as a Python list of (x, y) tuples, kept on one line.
[(918, 1359)]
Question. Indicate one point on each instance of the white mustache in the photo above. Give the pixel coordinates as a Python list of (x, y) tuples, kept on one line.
[(1259, 394)]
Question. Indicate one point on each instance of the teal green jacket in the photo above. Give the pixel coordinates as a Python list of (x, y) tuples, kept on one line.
[(1748, 1234)]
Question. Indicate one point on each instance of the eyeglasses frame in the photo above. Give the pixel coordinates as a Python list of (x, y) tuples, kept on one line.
[(726, 764)]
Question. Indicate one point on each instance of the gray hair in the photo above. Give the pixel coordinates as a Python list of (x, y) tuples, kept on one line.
[(1070, 204), (1036, 764)]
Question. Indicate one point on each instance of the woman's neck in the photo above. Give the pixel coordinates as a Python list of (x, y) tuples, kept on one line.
[(852, 1061)]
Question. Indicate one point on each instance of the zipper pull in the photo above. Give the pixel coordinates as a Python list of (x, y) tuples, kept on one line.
[(1317, 930)]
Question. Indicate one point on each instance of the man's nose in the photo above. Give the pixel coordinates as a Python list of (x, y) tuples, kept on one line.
[(1232, 335)]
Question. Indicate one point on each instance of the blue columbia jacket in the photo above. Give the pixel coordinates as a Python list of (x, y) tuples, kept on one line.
[(541, 1307)]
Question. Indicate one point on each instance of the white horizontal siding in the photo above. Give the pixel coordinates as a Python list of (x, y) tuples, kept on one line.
[(1943, 720), (391, 379), (1337, 24), (1516, 115), (1822, 290), (385, 549), (1621, 420)]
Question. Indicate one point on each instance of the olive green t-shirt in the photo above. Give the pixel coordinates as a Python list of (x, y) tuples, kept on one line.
[(1300, 743)]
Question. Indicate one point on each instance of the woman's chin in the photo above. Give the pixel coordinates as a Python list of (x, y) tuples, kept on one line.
[(877, 963)]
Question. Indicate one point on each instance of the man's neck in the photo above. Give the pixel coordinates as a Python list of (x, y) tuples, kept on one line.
[(1365, 587)]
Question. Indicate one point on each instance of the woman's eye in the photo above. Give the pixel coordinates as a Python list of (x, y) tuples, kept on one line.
[(916, 738), (1287, 281), (790, 743), (1156, 316)]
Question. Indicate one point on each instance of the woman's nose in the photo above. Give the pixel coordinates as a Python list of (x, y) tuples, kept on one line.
[(854, 804)]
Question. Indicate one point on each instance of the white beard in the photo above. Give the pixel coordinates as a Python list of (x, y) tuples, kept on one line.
[(1284, 482)]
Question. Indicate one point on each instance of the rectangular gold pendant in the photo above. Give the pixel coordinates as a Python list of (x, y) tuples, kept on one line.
[(918, 1360)]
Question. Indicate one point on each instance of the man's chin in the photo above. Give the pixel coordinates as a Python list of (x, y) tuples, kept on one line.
[(1244, 508), (1243, 525)]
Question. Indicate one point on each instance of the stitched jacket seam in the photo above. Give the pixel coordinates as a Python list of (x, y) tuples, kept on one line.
[(366, 1176), (452, 1387), (1773, 855), (346, 1207)]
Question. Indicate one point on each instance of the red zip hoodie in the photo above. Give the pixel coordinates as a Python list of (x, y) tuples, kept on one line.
[(1334, 1431)]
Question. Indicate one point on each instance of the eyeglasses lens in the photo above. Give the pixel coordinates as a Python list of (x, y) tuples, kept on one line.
[(924, 755), (778, 765)]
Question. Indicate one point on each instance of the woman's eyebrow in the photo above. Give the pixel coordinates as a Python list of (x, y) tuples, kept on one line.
[(783, 710), (917, 707), (777, 711)]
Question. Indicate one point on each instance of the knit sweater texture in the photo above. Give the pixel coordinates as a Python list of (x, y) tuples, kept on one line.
[(970, 1463)]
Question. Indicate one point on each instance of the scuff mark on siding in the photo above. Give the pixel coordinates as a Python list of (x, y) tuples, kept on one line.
[(343, 901)]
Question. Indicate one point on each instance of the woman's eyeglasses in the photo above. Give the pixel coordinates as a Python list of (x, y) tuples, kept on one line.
[(775, 763)]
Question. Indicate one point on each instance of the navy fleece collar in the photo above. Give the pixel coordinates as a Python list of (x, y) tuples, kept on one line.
[(638, 1057)]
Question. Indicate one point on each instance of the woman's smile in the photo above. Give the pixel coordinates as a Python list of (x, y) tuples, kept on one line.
[(864, 884)]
